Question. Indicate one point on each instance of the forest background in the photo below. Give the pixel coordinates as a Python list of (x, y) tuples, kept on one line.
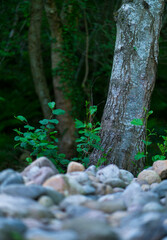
[(90, 37)]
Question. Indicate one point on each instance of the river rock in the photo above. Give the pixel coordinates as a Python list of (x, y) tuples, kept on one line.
[(101, 188), (93, 229), (33, 191), (64, 184), (160, 167), (109, 206), (153, 206), (145, 187), (116, 218), (56, 182), (129, 193), (92, 169), (13, 178), (46, 201), (5, 174), (11, 229), (74, 200), (111, 196), (38, 234), (110, 171), (136, 225), (75, 167), (38, 171), (22, 207), (54, 195), (116, 182), (150, 176), (126, 176), (80, 177), (161, 189), (82, 205), (95, 214), (41, 162), (76, 210), (135, 198)]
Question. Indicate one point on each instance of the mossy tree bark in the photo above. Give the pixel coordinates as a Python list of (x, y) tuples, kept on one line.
[(132, 82), (66, 125), (35, 54)]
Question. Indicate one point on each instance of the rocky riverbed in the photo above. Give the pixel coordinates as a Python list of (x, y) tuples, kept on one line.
[(93, 204)]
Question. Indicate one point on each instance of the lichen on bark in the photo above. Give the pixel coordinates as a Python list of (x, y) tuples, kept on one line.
[(132, 82)]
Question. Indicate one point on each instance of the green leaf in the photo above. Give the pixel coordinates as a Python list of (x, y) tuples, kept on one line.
[(56, 140), (51, 146), (92, 109), (17, 138), (78, 140), (83, 131), (101, 161), (38, 130), (29, 127), (42, 144), (149, 113), (79, 124), (85, 160), (62, 155), (28, 135), (44, 121), (21, 118), (64, 162), (54, 132), (139, 155), (158, 157), (18, 132), (54, 121), (79, 149), (23, 145), (75, 159), (89, 125), (42, 137), (97, 129), (29, 160), (147, 143), (164, 137), (137, 122), (33, 143), (58, 112), (50, 126), (51, 105)]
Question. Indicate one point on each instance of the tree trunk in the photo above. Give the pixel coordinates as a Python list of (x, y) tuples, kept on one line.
[(132, 83), (35, 55), (66, 125)]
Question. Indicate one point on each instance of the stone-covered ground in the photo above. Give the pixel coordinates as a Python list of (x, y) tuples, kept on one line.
[(93, 204)]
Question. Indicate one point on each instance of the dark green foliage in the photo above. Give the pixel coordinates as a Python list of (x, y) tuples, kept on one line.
[(89, 138), (17, 93), (42, 141), (162, 146)]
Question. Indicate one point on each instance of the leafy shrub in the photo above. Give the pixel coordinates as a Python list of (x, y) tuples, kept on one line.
[(42, 141), (162, 146), (89, 138)]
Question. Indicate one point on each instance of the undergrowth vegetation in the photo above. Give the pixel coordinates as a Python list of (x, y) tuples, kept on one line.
[(161, 143), (43, 141)]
